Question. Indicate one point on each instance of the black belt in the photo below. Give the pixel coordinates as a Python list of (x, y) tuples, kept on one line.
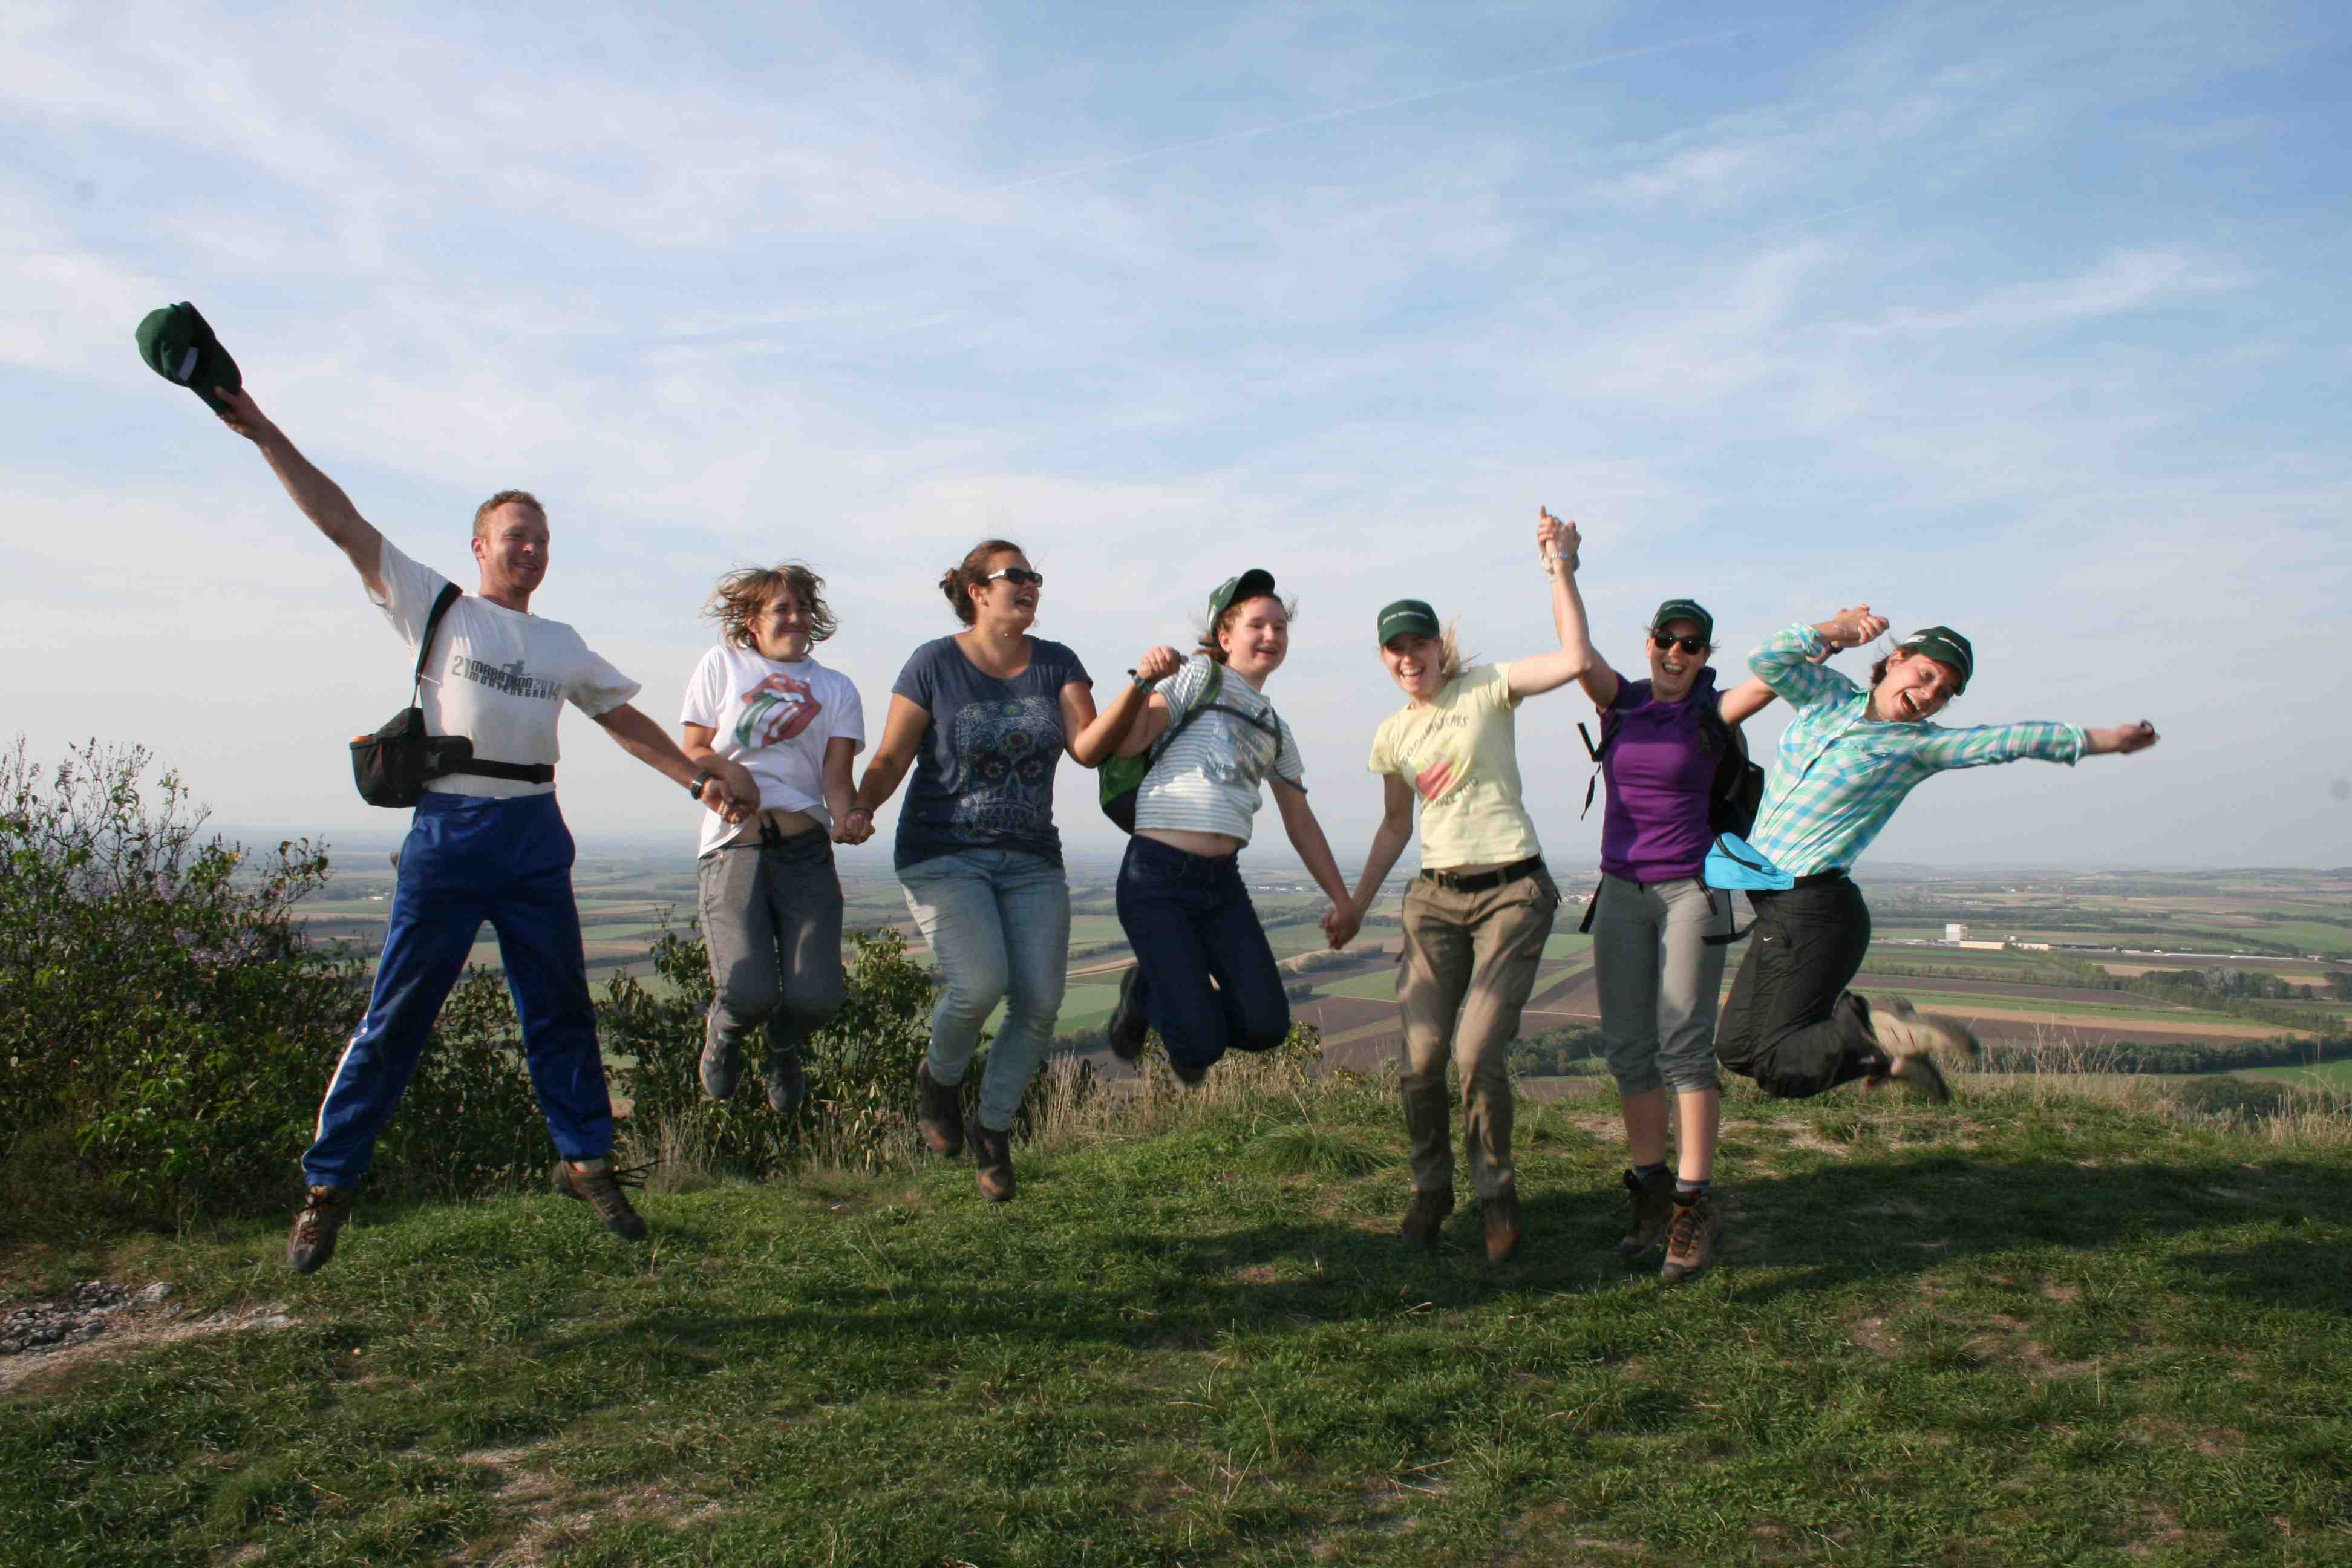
[(1479, 881), (520, 772), (1816, 879)]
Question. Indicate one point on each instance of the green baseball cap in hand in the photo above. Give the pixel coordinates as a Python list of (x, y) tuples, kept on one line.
[(178, 344)]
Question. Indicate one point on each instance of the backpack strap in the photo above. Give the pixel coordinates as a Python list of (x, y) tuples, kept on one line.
[(450, 594), (1202, 703), (1608, 737)]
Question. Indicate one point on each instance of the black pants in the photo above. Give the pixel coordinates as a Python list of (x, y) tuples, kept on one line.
[(1790, 1023)]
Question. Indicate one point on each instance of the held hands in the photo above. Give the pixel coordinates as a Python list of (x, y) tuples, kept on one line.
[(855, 825), (732, 792), (1341, 923), (1853, 627), (1556, 541), (2123, 740), (1158, 664)]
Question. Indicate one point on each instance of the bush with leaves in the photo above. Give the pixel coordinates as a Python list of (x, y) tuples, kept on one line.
[(167, 1027), (861, 1066)]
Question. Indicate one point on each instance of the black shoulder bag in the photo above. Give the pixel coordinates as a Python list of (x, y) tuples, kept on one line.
[(393, 765)]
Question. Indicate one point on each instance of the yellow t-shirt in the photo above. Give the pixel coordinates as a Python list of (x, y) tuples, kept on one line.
[(1460, 754)]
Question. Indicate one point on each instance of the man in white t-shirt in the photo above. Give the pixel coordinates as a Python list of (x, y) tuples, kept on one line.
[(487, 843)]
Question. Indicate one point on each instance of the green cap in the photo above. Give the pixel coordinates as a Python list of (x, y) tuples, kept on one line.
[(1408, 618), (1253, 584), (1944, 646), (178, 345), (1684, 610)]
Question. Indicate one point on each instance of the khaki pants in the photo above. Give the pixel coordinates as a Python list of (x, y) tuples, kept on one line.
[(1468, 964)]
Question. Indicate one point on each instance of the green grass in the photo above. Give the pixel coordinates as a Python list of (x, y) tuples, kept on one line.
[(2337, 1074), (2022, 1331)]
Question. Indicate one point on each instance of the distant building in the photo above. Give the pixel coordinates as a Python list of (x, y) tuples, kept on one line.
[(1985, 946), (1956, 933)]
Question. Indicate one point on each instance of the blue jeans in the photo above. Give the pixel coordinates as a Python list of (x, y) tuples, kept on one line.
[(999, 925), (468, 859), (1192, 924)]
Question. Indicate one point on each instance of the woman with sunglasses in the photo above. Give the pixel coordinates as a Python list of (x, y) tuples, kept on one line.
[(1847, 760), (1478, 916), (1204, 974), (1659, 932), (982, 716)]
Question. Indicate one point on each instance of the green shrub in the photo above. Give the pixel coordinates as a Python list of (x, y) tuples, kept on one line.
[(861, 1066)]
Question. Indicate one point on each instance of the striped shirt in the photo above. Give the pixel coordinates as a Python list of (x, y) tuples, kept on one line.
[(1207, 780), (1840, 774)]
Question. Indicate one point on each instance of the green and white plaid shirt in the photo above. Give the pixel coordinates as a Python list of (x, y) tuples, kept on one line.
[(1840, 774)]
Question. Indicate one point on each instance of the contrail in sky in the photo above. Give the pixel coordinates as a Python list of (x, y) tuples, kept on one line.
[(1350, 113)]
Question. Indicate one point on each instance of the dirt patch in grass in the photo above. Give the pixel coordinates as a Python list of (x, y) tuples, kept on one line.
[(128, 1333)]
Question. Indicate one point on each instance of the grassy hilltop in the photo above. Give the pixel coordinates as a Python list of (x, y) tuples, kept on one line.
[(2041, 1326)]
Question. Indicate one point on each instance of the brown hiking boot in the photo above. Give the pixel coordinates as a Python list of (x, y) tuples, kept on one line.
[(600, 1189), (1426, 1217), (939, 1113), (1653, 1208), (312, 1240), (1692, 1237), (991, 1158), (1501, 1214)]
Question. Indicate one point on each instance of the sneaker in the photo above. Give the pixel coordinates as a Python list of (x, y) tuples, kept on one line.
[(312, 1240), (1426, 1217), (991, 1158), (601, 1190), (1653, 1209), (1129, 1027), (939, 1113), (1913, 1039), (1501, 1214), (1691, 1238), (787, 1081), (722, 1066)]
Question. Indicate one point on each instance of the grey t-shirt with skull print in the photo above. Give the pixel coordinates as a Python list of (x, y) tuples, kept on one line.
[(984, 777)]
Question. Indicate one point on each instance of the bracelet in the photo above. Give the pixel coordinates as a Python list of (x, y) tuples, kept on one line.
[(700, 779), (1140, 684)]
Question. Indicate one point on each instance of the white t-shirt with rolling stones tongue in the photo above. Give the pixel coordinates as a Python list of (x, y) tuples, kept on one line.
[(496, 676), (775, 719)]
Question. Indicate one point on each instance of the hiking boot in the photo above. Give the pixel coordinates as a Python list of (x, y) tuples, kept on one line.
[(600, 1189), (787, 1081), (939, 1112), (1128, 1025), (1691, 1236), (1426, 1217), (1501, 1214), (1190, 1076), (1653, 1208), (723, 1065), (312, 1240), (991, 1159)]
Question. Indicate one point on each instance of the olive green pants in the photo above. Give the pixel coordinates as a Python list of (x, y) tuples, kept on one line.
[(1469, 963)]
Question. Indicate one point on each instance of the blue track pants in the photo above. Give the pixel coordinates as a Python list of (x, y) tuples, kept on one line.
[(467, 860)]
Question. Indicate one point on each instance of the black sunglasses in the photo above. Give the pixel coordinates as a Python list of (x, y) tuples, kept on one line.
[(1019, 576), (1688, 644)]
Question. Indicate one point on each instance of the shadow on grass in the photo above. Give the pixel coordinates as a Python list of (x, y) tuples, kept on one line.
[(1865, 1221)]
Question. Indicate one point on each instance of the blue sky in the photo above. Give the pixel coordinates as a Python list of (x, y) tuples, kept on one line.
[(2021, 318)]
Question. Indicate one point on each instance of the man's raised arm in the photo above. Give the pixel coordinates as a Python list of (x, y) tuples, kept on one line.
[(321, 500)]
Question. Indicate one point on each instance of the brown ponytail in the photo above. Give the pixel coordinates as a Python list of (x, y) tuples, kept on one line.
[(957, 581)]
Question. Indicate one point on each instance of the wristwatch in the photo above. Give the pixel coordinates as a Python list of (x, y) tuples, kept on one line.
[(700, 779)]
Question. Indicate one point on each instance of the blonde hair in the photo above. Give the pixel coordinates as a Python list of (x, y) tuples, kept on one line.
[(524, 498), (743, 592)]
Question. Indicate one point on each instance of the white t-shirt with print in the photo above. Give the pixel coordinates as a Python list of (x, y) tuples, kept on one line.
[(496, 676), (1207, 780), (776, 719)]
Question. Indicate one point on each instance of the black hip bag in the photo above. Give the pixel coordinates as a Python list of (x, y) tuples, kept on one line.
[(393, 766)]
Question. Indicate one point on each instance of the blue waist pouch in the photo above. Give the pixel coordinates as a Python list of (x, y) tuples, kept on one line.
[(1737, 866)]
